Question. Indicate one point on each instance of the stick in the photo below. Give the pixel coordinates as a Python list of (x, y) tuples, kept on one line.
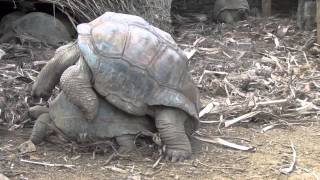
[(157, 162), (47, 164), (205, 72), (225, 143), (240, 118), (280, 101), (116, 169), (289, 169), (207, 109), (110, 158)]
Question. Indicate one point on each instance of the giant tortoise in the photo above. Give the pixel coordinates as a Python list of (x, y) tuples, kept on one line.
[(38, 25), (134, 66), (230, 11), (65, 118)]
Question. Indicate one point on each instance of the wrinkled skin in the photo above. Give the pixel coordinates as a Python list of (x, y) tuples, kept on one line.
[(77, 81), (66, 118)]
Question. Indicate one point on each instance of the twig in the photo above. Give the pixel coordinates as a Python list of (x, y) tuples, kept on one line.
[(47, 164), (157, 162), (116, 169), (218, 168), (225, 143), (233, 87), (241, 118), (291, 167), (280, 101), (114, 154), (208, 108), (205, 72), (267, 128)]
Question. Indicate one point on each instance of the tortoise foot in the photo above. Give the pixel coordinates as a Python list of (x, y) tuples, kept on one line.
[(177, 155)]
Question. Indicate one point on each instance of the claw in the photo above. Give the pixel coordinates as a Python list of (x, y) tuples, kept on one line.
[(181, 159), (167, 158), (174, 158)]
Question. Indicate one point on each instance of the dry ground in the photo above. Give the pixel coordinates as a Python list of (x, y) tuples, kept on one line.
[(287, 73)]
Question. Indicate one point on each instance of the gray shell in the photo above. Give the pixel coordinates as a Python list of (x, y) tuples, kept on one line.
[(40, 26), (136, 65), (222, 5), (110, 121)]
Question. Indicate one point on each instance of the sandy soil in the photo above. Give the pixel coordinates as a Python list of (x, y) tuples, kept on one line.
[(273, 151)]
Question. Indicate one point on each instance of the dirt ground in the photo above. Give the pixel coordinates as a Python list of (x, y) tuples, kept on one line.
[(273, 151), (222, 48)]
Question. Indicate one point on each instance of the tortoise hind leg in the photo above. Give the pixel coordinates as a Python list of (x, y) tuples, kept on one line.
[(170, 124), (126, 143), (76, 84)]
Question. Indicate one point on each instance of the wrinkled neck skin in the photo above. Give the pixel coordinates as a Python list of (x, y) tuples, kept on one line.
[(85, 69)]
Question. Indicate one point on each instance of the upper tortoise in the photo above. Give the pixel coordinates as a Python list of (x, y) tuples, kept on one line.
[(134, 66)]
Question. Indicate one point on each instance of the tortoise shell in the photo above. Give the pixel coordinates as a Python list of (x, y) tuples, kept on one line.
[(110, 121), (136, 65), (223, 5)]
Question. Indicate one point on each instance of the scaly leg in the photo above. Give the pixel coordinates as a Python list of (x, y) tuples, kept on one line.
[(170, 124), (64, 57), (126, 143), (76, 84)]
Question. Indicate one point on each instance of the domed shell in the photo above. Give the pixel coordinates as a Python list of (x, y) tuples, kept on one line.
[(110, 121), (222, 5), (136, 65)]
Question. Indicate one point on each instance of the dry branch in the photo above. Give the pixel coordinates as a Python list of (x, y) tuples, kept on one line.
[(47, 164), (225, 143), (287, 170)]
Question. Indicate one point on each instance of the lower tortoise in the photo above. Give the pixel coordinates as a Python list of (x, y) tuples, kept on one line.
[(65, 118)]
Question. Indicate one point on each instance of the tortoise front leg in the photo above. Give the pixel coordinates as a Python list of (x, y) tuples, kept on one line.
[(226, 17), (39, 132), (76, 84), (64, 57), (41, 128), (126, 143), (170, 124)]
